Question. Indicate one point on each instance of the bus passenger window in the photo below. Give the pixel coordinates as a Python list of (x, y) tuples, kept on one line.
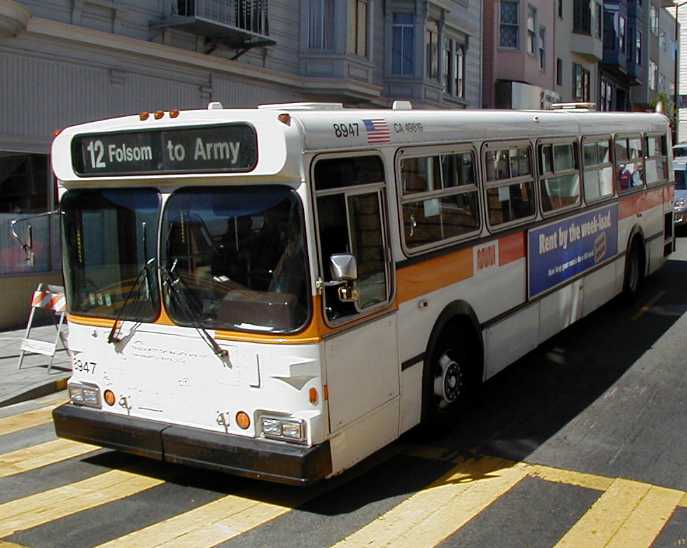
[(509, 191), (656, 162), (629, 163), (560, 182), (598, 171), (446, 206)]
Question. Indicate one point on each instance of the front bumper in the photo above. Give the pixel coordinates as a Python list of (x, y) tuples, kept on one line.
[(283, 463)]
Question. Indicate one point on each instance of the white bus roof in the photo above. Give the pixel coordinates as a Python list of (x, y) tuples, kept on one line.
[(281, 145)]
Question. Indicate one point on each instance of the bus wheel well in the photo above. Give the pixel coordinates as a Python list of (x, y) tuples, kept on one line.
[(457, 325), (635, 265)]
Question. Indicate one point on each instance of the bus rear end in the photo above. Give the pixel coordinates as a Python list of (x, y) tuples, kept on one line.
[(191, 305)]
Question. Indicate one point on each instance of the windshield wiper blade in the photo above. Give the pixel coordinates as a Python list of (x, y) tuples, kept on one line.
[(173, 280), (116, 327)]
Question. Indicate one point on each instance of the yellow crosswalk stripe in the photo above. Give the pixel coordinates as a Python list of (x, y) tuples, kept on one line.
[(570, 477), (431, 515), (29, 419), (620, 512), (648, 518), (212, 523), (40, 455), (64, 501)]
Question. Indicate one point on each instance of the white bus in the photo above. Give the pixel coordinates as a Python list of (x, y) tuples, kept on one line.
[(280, 292)]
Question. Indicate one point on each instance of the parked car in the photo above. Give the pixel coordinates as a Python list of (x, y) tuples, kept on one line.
[(680, 202), (680, 151)]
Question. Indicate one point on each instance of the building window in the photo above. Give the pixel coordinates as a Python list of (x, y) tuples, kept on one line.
[(249, 15), (542, 48), (621, 34), (24, 183), (357, 27), (559, 72), (560, 9), (582, 17), (597, 22), (448, 66), (403, 48), (606, 95), (321, 24), (653, 20), (652, 75), (662, 42), (460, 71), (581, 80), (510, 28), (638, 48), (432, 50), (531, 30)]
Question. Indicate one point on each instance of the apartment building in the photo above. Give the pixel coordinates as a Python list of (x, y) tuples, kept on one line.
[(519, 60), (69, 61), (619, 72), (666, 58), (579, 49)]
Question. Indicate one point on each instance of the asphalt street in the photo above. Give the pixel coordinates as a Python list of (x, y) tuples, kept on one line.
[(583, 442)]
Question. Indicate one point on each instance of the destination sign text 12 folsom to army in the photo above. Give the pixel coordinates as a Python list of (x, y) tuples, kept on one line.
[(227, 148)]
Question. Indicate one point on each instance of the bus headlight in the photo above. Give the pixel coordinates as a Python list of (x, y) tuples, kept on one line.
[(283, 429), (85, 394)]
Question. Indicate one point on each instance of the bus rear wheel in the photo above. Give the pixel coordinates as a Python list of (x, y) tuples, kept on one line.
[(633, 272)]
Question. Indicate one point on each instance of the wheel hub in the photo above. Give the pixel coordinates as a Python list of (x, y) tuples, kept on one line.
[(448, 383)]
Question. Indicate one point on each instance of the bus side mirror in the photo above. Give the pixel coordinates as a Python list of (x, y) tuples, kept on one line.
[(344, 271), (343, 268)]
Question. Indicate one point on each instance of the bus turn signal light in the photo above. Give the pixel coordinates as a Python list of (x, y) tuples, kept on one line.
[(174, 113), (285, 118), (243, 420), (313, 396), (109, 397), (159, 114), (143, 116)]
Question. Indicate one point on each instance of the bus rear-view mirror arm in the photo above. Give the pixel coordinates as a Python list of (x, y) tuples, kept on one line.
[(343, 269)]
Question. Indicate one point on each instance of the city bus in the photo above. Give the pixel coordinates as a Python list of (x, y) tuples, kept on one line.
[(280, 292)]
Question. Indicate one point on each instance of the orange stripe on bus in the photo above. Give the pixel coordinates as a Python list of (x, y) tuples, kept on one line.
[(511, 248), (642, 201), (432, 274)]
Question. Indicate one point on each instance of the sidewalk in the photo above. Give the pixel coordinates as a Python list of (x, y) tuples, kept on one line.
[(32, 380)]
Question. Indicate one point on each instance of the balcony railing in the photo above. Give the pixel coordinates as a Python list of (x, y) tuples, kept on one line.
[(240, 24), (250, 15)]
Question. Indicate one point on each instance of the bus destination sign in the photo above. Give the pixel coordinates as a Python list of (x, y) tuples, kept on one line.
[(216, 149)]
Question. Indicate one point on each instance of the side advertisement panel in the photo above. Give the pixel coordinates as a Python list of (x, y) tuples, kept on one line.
[(561, 250)]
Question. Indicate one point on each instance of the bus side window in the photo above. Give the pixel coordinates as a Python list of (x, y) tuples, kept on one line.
[(351, 220), (509, 184), (656, 162), (560, 176), (598, 170), (629, 163)]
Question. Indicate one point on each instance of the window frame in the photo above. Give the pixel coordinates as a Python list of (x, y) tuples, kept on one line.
[(530, 178), (401, 198), (645, 154), (588, 139), (516, 25), (354, 32), (402, 28), (531, 34), (326, 34), (352, 190), (542, 176), (627, 137)]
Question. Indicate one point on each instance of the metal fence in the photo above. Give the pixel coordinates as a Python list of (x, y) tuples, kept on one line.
[(250, 15)]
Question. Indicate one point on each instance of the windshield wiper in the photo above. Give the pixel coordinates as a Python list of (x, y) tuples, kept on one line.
[(116, 327), (173, 281)]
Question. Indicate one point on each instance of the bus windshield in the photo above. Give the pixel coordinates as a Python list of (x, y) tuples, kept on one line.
[(108, 237), (680, 183), (237, 256)]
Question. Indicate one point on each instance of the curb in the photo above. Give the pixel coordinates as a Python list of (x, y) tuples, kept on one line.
[(36, 391)]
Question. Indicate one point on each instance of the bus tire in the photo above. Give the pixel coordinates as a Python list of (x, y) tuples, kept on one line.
[(634, 270), (450, 376)]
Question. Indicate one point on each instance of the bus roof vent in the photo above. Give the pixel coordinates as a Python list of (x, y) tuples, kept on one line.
[(402, 105), (215, 105), (578, 107), (303, 106)]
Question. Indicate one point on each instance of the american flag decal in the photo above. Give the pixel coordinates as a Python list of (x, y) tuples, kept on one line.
[(377, 131)]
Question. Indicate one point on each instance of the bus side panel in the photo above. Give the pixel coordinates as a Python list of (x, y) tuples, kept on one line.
[(510, 339), (561, 309), (601, 286)]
